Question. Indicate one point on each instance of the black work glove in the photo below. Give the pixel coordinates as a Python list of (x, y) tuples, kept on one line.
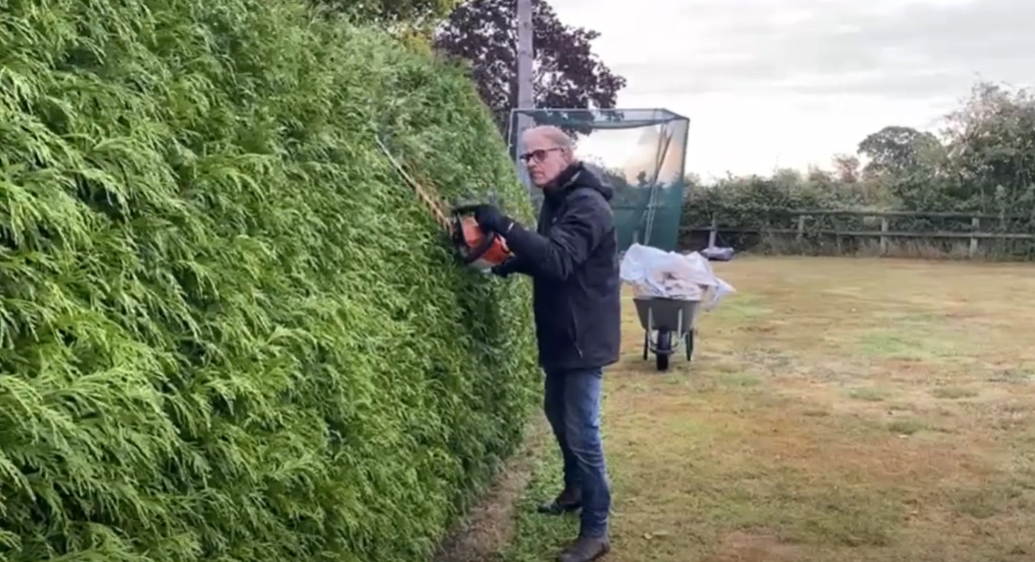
[(490, 219), (506, 268)]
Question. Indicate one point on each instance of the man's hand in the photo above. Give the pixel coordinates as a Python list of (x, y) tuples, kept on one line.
[(506, 268), (490, 219)]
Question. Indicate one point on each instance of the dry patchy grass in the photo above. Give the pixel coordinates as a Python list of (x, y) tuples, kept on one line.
[(488, 528), (836, 410)]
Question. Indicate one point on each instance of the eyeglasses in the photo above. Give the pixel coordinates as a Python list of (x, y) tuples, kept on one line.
[(538, 155)]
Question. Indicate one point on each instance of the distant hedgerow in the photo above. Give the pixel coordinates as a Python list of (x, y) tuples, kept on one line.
[(228, 332)]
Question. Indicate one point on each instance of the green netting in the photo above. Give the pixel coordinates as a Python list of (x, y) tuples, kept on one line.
[(639, 152)]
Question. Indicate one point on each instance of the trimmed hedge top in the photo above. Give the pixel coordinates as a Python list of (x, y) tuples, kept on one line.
[(229, 332)]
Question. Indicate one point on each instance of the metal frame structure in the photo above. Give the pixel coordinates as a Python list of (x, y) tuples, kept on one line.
[(604, 120)]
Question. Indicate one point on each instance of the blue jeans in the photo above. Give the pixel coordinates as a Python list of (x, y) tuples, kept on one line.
[(572, 406)]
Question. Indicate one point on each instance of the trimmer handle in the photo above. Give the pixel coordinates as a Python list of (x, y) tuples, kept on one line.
[(475, 254), (466, 208), (488, 238)]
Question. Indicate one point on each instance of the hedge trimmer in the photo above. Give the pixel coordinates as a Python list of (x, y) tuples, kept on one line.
[(476, 248)]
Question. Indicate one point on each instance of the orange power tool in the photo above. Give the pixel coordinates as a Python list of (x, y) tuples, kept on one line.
[(475, 247)]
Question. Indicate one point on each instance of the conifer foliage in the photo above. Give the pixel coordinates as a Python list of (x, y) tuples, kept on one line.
[(227, 331)]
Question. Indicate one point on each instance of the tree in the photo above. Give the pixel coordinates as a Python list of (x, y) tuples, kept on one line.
[(846, 168), (895, 150), (991, 151), (483, 33)]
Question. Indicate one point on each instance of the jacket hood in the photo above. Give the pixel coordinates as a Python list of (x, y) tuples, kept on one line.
[(580, 175)]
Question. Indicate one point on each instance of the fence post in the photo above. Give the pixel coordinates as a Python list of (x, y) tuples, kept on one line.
[(1001, 244), (883, 238), (713, 233), (975, 226), (801, 227)]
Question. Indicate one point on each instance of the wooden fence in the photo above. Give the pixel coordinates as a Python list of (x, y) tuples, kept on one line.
[(801, 225)]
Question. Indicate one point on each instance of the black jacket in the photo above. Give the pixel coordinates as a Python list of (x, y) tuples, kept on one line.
[(573, 262)]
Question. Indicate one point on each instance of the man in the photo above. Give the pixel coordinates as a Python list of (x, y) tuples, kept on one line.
[(573, 262)]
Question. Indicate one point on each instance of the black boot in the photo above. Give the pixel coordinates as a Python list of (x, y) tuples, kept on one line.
[(585, 549), (569, 500)]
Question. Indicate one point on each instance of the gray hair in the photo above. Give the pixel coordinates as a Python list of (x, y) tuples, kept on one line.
[(557, 136)]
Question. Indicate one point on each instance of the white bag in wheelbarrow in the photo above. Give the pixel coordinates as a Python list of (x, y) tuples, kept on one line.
[(717, 288), (657, 273), (721, 290), (644, 268)]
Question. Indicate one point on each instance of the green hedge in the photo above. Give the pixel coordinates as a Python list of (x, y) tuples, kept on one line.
[(227, 331)]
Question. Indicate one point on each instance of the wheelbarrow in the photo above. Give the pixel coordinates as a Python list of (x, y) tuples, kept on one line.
[(666, 324)]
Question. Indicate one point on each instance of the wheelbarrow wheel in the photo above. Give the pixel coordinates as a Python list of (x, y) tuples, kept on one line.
[(664, 352)]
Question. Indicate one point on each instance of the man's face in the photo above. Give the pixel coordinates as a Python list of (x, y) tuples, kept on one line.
[(544, 159)]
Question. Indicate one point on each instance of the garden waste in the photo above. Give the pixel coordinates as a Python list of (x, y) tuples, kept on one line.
[(655, 273)]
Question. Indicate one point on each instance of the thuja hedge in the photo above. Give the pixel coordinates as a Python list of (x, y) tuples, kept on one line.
[(227, 331)]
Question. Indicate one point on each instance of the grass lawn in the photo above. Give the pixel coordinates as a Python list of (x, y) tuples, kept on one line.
[(836, 410)]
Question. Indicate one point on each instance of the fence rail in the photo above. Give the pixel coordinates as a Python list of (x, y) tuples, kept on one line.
[(974, 234)]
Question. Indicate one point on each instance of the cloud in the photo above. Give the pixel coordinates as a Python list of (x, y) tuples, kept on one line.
[(798, 80), (709, 46), (892, 49)]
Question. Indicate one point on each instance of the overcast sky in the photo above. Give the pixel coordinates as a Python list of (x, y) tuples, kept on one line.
[(791, 82)]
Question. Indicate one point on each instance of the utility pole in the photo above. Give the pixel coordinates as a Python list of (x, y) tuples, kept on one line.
[(525, 95)]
